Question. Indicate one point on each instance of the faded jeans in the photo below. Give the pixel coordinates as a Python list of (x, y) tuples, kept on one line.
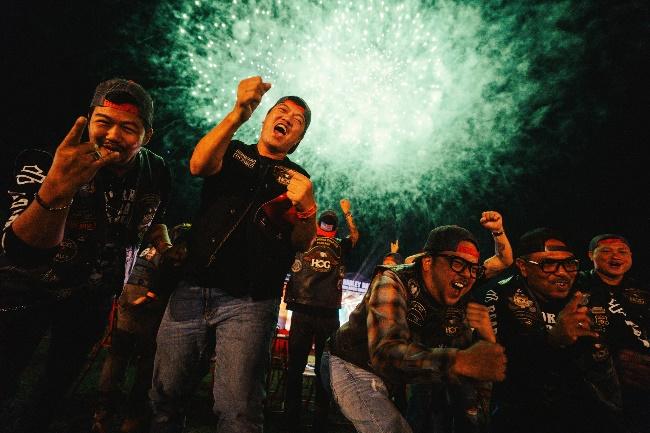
[(198, 319), (362, 397)]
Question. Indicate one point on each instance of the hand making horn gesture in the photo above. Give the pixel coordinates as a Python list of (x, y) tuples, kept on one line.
[(75, 164), (249, 95), (572, 322)]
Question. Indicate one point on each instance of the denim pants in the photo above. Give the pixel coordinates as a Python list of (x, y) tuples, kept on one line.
[(362, 397), (306, 328), (198, 319)]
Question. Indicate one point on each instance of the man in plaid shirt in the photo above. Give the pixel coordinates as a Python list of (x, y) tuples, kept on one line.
[(411, 328)]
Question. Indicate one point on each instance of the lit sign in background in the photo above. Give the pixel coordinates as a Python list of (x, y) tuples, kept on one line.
[(420, 110)]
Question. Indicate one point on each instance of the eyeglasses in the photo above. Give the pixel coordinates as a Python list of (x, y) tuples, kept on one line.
[(458, 265), (550, 266)]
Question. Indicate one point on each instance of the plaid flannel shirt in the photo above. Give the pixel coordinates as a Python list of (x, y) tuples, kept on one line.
[(382, 336)]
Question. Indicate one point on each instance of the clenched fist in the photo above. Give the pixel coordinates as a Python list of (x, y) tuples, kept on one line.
[(300, 191), (482, 361), (249, 96), (479, 319)]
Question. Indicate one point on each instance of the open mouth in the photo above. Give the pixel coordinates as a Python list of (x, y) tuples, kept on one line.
[(458, 286), (562, 284), (281, 129), (111, 147)]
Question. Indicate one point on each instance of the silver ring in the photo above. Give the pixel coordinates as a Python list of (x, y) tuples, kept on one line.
[(96, 155)]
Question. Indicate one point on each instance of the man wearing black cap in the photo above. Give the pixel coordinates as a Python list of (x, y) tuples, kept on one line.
[(625, 320), (313, 295), (560, 372), (409, 329), (77, 221), (257, 210)]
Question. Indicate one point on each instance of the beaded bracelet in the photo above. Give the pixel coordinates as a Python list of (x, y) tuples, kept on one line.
[(497, 234), (45, 206)]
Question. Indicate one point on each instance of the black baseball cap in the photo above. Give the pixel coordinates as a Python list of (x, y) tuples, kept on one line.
[(120, 93), (328, 221), (447, 238), (593, 244), (535, 240)]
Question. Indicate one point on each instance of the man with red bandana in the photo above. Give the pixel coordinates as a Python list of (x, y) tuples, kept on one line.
[(409, 329), (313, 295), (257, 210), (561, 375), (626, 320), (77, 222)]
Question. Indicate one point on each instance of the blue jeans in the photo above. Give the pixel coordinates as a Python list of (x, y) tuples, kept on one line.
[(197, 320), (362, 397)]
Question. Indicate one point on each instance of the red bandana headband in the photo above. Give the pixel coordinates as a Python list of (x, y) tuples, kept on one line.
[(611, 241), (468, 249), (294, 105), (130, 108)]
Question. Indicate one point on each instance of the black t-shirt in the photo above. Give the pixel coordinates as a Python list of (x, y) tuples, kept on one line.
[(240, 241)]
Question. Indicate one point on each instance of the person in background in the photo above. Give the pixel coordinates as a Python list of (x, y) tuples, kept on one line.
[(132, 339), (393, 257), (314, 296)]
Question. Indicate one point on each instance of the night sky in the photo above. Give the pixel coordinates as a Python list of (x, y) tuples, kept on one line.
[(580, 167)]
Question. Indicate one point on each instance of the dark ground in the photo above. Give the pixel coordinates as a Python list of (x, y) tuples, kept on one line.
[(78, 410)]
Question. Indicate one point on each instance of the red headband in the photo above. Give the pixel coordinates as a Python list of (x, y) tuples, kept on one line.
[(122, 107), (289, 101), (612, 241), (468, 249)]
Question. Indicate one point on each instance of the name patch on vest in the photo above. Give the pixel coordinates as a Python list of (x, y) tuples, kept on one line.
[(244, 159)]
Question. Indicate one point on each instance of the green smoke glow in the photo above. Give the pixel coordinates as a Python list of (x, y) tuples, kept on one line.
[(418, 108)]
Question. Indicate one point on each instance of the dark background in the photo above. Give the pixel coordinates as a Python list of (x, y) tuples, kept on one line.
[(595, 181)]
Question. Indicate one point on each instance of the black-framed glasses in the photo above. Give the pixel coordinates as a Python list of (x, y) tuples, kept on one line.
[(551, 266), (458, 265)]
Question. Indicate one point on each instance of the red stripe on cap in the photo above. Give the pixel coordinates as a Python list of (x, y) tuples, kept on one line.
[(122, 107), (468, 248), (294, 105)]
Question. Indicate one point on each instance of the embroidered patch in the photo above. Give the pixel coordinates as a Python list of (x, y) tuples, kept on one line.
[(416, 313), (523, 308), (297, 266), (635, 297), (521, 300), (244, 159), (67, 251), (30, 174)]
